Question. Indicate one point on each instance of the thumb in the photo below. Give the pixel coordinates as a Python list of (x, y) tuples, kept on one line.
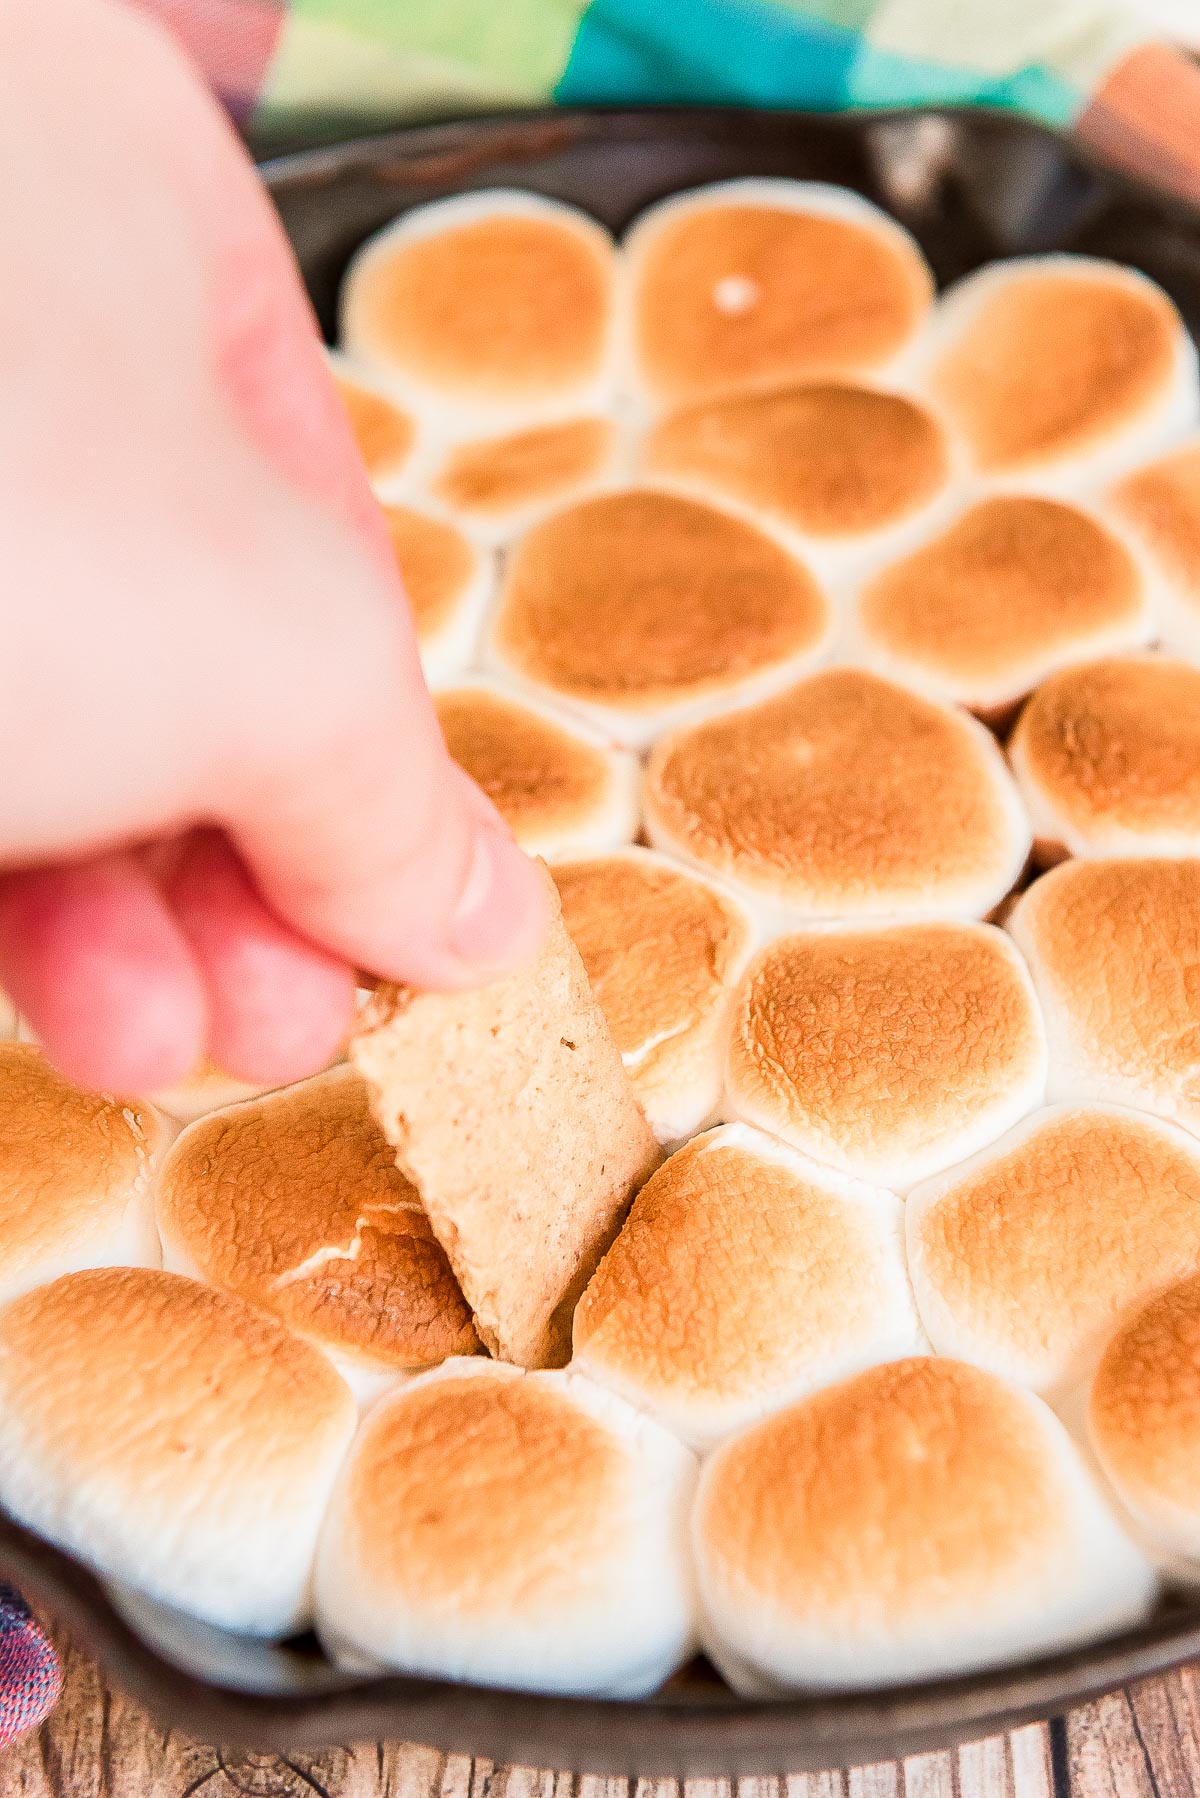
[(395, 865), (359, 829)]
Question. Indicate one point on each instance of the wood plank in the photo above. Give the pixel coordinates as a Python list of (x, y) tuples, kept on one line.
[(985, 1768), (882, 1780), (929, 1776), (802, 1785), (1107, 1758), (100, 1744), (1029, 1760)]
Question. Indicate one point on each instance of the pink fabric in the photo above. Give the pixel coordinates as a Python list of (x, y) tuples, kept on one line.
[(231, 40)]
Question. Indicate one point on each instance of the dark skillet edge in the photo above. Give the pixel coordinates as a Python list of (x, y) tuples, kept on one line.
[(412, 143), (717, 1736), (723, 1737)]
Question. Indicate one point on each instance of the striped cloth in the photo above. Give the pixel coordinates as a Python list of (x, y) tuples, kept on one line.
[(301, 70), (30, 1675)]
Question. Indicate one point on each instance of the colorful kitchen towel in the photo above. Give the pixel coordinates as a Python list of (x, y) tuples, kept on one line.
[(300, 70)]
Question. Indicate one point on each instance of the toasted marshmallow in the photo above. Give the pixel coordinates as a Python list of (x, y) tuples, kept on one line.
[(563, 789), (1113, 947), (294, 1202), (843, 468), (1107, 757), (448, 581), (888, 1053), (385, 431), (207, 1088), (644, 608), (493, 308), (1143, 1423), (845, 796), (77, 1174), (1015, 588), (662, 950), (174, 1438), (919, 1519), (1160, 505), (1024, 1257), (509, 1529), (1061, 369), (498, 486), (744, 1276), (750, 284)]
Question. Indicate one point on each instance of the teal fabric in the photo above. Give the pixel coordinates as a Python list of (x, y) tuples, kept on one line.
[(881, 79), (766, 53), (721, 52)]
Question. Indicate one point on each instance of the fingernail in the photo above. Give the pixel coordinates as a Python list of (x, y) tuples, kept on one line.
[(502, 910)]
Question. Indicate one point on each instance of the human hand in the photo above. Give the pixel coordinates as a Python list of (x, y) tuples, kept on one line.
[(226, 786)]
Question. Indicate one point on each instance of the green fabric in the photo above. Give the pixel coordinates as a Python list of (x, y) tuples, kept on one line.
[(385, 61), (521, 44)]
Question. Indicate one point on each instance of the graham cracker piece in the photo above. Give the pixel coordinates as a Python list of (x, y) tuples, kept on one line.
[(510, 1111)]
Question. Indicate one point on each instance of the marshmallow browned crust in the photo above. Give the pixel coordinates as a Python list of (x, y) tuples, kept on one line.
[(173, 1437), (845, 796), (510, 1111), (744, 1276), (448, 583), (385, 433), (920, 1518), (1107, 756), (642, 603), (77, 1174), (1144, 1422), (662, 949), (520, 1530), (830, 461), (498, 483), (1113, 948), (1160, 504), (1015, 588), (1024, 1257), (562, 789), (1061, 365), (888, 1053), (295, 1203), (490, 305), (754, 283)]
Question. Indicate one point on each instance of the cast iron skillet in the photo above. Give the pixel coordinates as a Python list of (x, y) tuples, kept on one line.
[(970, 187)]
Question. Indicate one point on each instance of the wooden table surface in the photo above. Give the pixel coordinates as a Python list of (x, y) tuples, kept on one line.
[(1139, 1744)]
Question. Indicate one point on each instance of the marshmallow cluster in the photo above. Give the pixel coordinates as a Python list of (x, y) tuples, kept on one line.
[(801, 619)]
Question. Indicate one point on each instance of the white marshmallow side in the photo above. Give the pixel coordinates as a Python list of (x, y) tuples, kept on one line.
[(622, 1636), (1094, 1582)]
